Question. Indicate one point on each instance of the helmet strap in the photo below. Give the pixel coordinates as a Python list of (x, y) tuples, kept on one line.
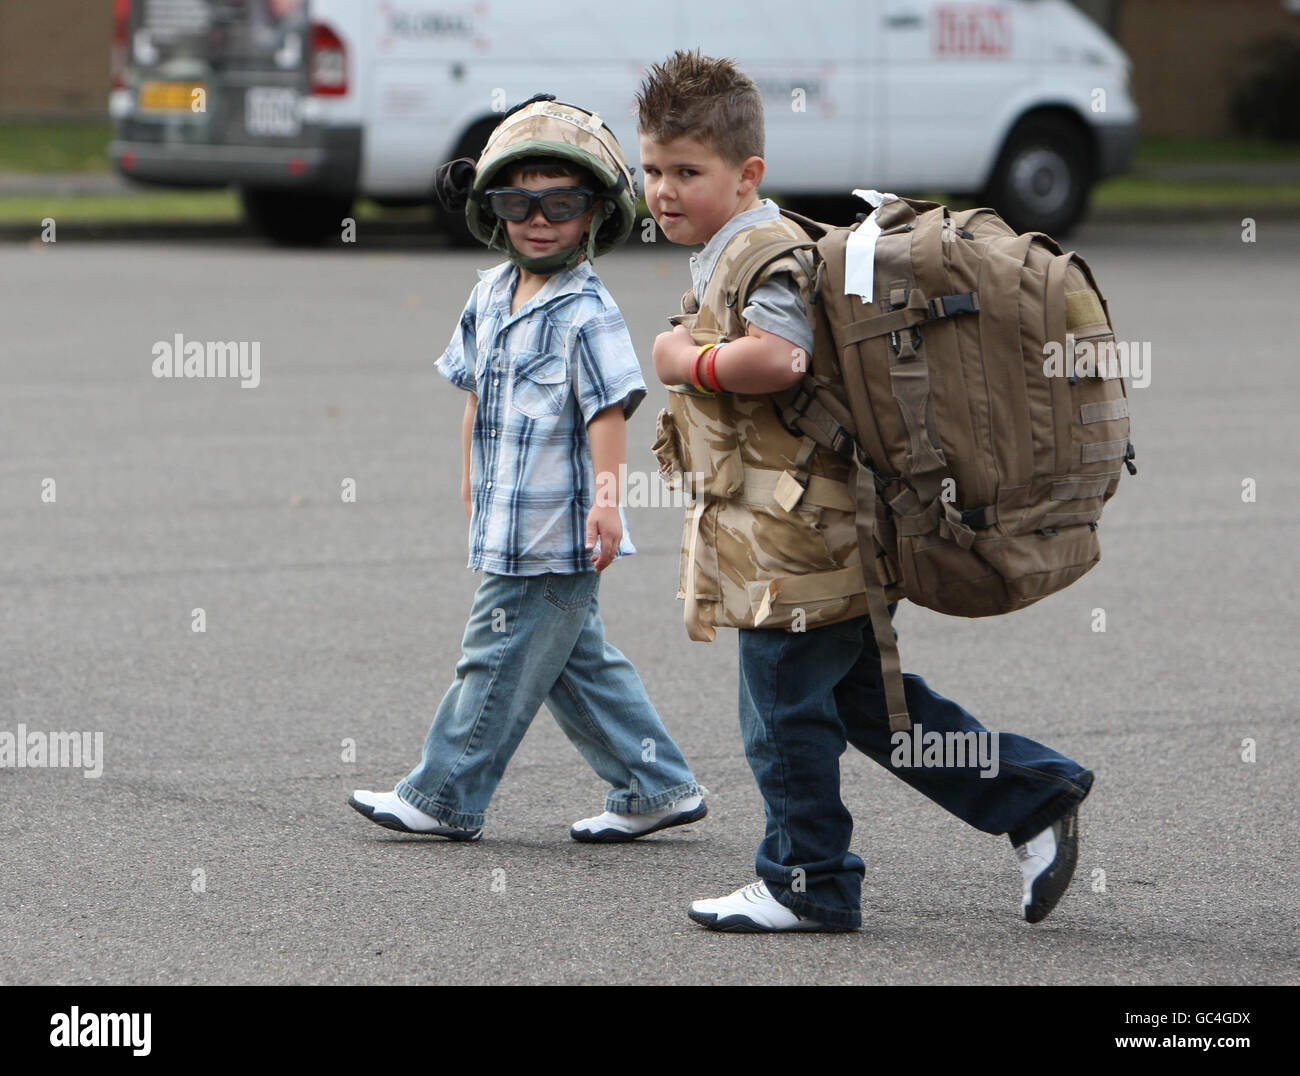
[(560, 259)]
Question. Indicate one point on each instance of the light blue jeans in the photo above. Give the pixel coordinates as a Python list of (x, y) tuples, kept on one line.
[(534, 639)]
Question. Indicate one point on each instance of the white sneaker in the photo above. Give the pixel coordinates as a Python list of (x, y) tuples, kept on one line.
[(752, 910), (610, 828), (389, 810), (1047, 863)]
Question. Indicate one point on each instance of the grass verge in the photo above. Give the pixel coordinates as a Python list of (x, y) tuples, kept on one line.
[(203, 206), (162, 207), (1136, 193), (79, 147), (55, 147)]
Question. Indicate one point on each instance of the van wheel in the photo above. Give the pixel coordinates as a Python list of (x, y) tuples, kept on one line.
[(453, 224), (826, 209), (1041, 180), (295, 218)]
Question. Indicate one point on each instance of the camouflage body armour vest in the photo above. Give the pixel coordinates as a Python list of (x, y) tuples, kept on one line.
[(770, 539)]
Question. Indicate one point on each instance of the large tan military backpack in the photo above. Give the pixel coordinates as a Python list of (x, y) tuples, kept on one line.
[(985, 451)]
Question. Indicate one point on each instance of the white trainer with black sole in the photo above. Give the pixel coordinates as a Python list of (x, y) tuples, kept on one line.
[(389, 810), (1047, 863), (612, 828), (753, 910)]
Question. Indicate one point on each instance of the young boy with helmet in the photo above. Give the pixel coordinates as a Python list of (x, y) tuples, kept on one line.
[(551, 374), (810, 670)]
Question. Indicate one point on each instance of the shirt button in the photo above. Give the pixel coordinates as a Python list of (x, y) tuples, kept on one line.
[(489, 485), (494, 433), (496, 381)]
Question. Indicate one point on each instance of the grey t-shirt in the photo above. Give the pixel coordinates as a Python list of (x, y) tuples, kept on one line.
[(775, 305)]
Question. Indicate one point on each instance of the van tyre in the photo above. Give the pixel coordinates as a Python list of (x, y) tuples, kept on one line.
[(1042, 179), (295, 218), (831, 208)]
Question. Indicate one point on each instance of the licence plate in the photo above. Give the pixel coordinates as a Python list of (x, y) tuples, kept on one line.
[(172, 97), (271, 111)]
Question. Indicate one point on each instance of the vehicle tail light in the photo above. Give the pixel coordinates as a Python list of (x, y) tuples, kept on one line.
[(121, 27), (329, 62)]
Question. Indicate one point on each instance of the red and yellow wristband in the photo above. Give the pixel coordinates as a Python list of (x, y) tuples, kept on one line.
[(708, 382)]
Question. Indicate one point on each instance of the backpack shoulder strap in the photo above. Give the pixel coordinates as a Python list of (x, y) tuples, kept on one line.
[(749, 254), (797, 251)]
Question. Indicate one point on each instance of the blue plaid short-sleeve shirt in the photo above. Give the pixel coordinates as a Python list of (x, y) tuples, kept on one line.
[(540, 374)]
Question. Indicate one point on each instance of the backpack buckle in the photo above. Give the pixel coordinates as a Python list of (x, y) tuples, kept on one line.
[(947, 306), (860, 454), (803, 397), (980, 519), (841, 443), (906, 349)]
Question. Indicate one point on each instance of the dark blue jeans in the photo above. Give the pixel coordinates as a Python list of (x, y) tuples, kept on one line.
[(803, 696)]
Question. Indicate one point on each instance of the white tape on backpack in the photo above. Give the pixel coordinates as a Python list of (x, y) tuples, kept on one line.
[(860, 250)]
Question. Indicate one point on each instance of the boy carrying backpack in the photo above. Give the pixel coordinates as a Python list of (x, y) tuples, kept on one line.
[(783, 522)]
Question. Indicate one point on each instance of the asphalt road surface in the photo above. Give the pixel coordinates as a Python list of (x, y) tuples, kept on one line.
[(216, 846)]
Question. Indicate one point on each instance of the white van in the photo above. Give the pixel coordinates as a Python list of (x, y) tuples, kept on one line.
[(305, 105)]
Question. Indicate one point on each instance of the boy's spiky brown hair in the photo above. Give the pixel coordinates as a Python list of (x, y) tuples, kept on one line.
[(707, 99)]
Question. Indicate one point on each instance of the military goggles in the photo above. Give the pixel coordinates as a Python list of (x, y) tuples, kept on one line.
[(557, 203)]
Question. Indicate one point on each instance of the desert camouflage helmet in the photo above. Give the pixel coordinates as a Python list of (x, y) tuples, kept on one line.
[(544, 127)]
